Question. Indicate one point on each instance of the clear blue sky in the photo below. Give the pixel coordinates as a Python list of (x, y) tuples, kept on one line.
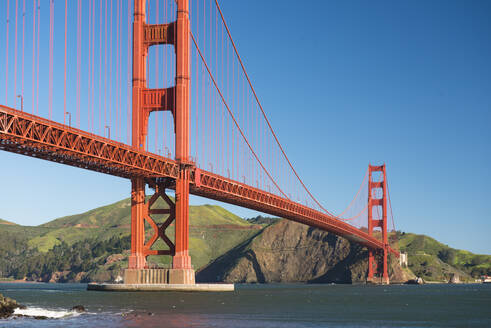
[(344, 83)]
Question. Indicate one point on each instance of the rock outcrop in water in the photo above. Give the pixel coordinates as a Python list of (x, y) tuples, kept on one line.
[(291, 252), (79, 309), (7, 306)]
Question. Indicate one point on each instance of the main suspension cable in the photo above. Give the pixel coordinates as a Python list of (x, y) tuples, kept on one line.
[(232, 115), (263, 112)]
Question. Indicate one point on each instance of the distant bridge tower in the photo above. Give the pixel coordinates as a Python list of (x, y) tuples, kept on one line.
[(176, 100), (377, 201)]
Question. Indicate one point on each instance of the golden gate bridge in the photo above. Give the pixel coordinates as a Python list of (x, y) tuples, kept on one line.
[(160, 95)]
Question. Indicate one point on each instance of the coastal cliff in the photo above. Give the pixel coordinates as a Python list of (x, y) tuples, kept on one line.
[(291, 252)]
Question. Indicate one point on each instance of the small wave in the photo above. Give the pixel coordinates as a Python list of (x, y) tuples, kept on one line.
[(40, 312)]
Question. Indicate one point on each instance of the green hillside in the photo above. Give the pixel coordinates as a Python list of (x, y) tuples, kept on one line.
[(104, 222), (433, 260), (83, 242)]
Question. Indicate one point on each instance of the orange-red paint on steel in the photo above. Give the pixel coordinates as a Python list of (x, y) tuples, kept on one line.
[(176, 100), (375, 202), (33, 136)]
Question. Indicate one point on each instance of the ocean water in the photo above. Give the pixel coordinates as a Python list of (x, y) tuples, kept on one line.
[(269, 305)]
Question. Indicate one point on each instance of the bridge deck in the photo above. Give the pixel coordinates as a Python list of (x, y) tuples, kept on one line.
[(30, 135)]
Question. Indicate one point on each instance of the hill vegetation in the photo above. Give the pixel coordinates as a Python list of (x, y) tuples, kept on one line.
[(6, 222), (94, 246), (435, 261), (263, 220)]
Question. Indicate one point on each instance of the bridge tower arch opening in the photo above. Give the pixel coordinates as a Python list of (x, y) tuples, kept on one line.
[(176, 100)]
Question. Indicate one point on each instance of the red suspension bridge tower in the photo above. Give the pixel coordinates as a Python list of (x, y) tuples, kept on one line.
[(176, 100), (377, 201)]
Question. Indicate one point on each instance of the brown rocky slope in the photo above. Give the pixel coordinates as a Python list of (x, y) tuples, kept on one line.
[(291, 252)]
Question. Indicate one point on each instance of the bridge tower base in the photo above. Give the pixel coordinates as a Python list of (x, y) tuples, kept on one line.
[(176, 100), (142, 243), (377, 203)]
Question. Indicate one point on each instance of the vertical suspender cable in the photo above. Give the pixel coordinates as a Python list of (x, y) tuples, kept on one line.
[(203, 90), (92, 97), (120, 60), (89, 68), (51, 27), (89, 65), (222, 150), (33, 52), (156, 79), (208, 95), (228, 125), (196, 87), (246, 131), (15, 48), (251, 133), (100, 68), (217, 139), (105, 68), (37, 55), (23, 43), (210, 104), (79, 17), (128, 77), (118, 64), (7, 55), (64, 70), (233, 106), (120, 67), (114, 81), (165, 73), (172, 71), (110, 63)]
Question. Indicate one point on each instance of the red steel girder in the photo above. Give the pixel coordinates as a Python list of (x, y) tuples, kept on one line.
[(34, 136), (216, 187)]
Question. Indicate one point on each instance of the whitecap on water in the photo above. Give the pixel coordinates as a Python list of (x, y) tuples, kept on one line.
[(49, 313)]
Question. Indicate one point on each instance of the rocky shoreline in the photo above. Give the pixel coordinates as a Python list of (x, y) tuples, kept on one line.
[(8, 306)]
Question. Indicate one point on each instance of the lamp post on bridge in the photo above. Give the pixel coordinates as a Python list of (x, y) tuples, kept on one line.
[(108, 131), (21, 102), (69, 118)]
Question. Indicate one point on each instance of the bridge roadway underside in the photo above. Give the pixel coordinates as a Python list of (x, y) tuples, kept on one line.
[(33, 136)]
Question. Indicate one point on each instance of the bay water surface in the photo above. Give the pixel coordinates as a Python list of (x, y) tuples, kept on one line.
[(268, 305)]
